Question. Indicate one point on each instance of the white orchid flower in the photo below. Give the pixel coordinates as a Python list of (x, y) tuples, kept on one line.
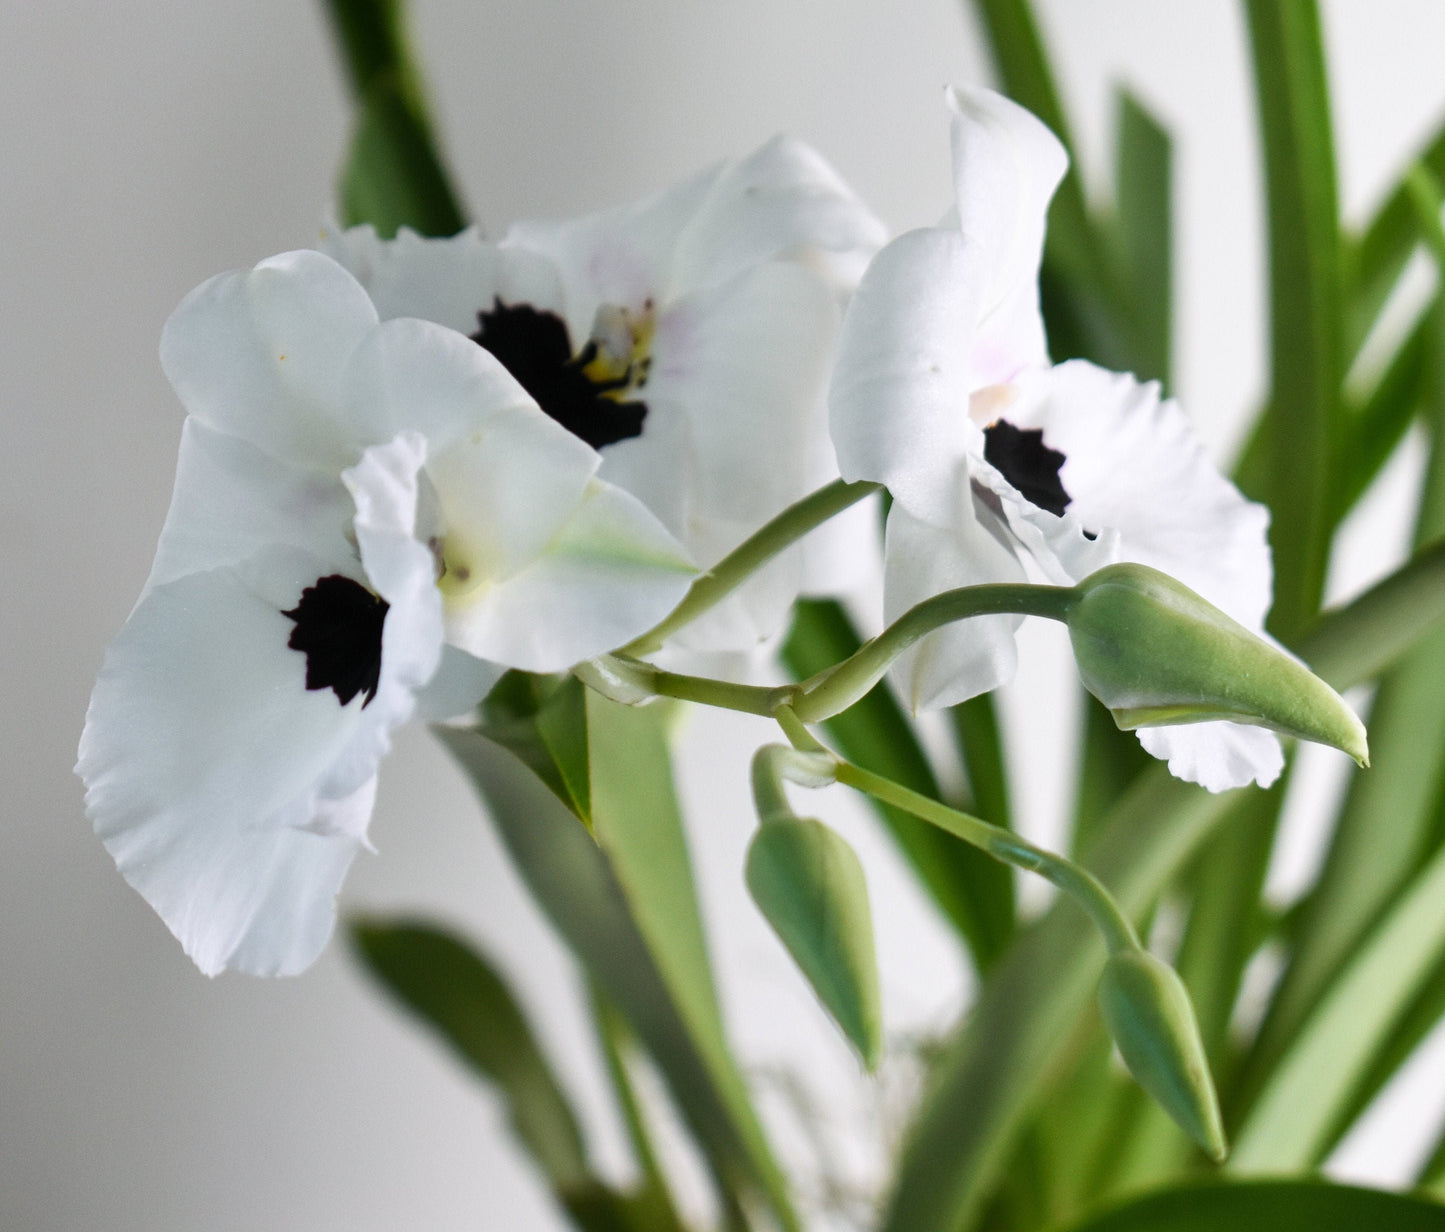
[(1000, 465), (356, 503), (687, 337)]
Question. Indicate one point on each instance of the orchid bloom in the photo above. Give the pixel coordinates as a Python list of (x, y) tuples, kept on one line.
[(369, 518), (999, 463), (687, 337)]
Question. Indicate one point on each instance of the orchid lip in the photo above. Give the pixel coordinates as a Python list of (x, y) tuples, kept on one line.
[(338, 628), (584, 392)]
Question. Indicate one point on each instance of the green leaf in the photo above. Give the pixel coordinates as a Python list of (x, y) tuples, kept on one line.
[(1289, 1126), (637, 822), (1305, 298), (543, 720), (1432, 1173), (1269, 1206), (974, 892), (808, 883), (1225, 924), (1371, 430), (1379, 841), (370, 35), (582, 893), (1356, 642), (1145, 233), (1109, 763), (393, 176), (1410, 1029), (1023, 67), (458, 994), (618, 1046), (1374, 430), (1386, 829), (1379, 257), (975, 731)]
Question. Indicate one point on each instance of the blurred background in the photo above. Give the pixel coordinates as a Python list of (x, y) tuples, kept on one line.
[(146, 146)]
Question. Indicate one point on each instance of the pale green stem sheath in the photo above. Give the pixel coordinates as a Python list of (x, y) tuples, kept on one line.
[(775, 764), (1079, 884), (751, 555), (833, 691)]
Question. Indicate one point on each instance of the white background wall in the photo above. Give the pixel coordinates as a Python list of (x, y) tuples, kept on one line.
[(145, 146)]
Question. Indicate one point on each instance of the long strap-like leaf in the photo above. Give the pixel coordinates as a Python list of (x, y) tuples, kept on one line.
[(1305, 297), (1269, 1206), (576, 885)]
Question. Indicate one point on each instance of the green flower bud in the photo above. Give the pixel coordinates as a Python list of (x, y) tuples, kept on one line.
[(1147, 1011), (809, 884), (1155, 653)]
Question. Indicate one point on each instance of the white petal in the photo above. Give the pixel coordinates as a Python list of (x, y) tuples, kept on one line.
[(659, 467), (460, 683), (231, 499), (782, 201), (757, 610), (443, 280), (1006, 166), (844, 553), (507, 491), (609, 575), (401, 569), (299, 874), (203, 756), (1218, 755), (900, 391), (259, 354), (410, 374), (621, 256), (922, 559), (347, 817), (446, 280), (747, 363), (1134, 465)]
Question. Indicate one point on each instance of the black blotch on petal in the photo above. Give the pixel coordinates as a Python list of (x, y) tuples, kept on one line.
[(338, 629), (535, 348), (1021, 457)]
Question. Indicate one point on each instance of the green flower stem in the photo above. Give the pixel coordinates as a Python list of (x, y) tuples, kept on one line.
[(1079, 884), (751, 555), (633, 683), (798, 735), (833, 691), (626, 679)]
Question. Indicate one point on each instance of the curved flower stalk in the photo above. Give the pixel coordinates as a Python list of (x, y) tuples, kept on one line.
[(368, 518), (687, 337), (1000, 464)]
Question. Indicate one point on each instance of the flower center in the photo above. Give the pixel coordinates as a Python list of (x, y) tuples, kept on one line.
[(584, 392), (1021, 457), (338, 629)]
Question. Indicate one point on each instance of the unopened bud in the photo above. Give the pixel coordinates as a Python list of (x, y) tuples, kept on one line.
[(809, 884), (1147, 1011), (1156, 653)]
